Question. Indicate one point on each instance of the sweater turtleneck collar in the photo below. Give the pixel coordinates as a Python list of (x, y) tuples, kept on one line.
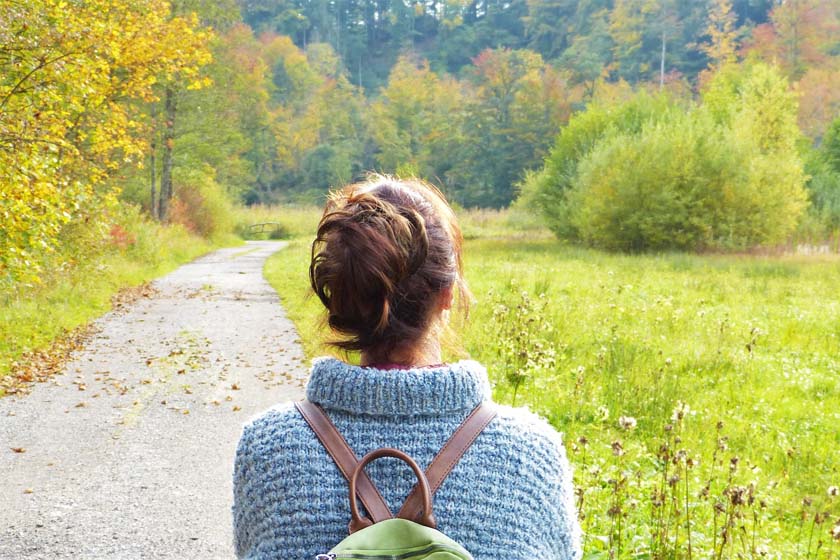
[(455, 387)]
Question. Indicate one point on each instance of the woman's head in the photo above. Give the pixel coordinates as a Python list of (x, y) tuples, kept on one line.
[(385, 262)]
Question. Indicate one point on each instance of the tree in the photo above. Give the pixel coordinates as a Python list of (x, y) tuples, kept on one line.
[(723, 41), (800, 35), (72, 87), (415, 115)]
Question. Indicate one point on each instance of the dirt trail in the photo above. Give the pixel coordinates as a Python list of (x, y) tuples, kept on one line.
[(129, 452)]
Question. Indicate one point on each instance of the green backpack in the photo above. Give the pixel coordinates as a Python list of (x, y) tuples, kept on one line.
[(412, 535)]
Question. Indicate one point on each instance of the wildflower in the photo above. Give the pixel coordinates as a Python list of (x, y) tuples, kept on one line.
[(627, 422), (583, 441), (733, 463), (835, 531), (807, 501), (617, 448), (833, 491), (604, 412), (680, 411)]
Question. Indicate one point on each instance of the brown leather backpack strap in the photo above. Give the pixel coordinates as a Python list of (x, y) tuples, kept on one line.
[(448, 457), (344, 458)]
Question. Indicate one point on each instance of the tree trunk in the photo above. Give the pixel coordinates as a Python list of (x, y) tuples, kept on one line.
[(153, 201), (168, 143), (662, 64)]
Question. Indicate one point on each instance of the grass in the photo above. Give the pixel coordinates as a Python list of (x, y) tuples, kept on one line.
[(699, 395)]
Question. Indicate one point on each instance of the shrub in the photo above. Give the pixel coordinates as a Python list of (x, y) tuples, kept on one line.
[(548, 189), (685, 183), (651, 175), (201, 205)]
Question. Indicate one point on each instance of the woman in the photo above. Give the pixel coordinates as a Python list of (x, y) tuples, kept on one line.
[(386, 263)]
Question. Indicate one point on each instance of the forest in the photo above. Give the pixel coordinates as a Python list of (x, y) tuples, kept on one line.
[(188, 106)]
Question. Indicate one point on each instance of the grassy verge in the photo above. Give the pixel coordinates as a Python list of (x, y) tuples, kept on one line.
[(32, 319), (699, 395)]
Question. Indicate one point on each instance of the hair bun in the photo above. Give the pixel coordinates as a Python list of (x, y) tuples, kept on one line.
[(381, 254)]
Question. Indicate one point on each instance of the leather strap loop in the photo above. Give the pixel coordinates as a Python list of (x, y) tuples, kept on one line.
[(344, 458), (448, 457), (427, 518)]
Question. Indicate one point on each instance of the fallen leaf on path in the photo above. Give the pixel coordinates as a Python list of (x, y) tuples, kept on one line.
[(235, 386), (41, 365), (81, 404), (237, 408), (18, 449), (27, 491)]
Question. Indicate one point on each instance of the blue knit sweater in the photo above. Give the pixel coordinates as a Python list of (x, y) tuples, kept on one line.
[(510, 497)]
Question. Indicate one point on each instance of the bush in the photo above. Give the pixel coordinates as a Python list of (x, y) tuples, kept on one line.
[(651, 175), (548, 188), (201, 205)]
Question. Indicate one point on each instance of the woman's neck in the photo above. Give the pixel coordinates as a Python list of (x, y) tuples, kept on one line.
[(426, 354)]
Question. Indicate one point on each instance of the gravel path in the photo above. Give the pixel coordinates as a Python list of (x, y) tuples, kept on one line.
[(128, 453)]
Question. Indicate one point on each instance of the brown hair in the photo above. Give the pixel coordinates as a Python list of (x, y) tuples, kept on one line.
[(384, 251)]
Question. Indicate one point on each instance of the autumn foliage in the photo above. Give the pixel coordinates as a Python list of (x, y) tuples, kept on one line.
[(72, 85)]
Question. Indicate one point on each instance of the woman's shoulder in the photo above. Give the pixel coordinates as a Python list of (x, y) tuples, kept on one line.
[(271, 427), (519, 430)]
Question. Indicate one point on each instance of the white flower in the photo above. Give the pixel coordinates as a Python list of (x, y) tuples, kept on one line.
[(627, 422)]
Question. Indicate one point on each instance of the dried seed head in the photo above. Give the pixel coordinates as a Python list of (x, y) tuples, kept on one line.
[(583, 441), (807, 501), (617, 448), (835, 531), (673, 480), (737, 495), (833, 491), (733, 463)]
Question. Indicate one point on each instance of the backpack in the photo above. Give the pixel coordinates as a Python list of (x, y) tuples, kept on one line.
[(412, 535)]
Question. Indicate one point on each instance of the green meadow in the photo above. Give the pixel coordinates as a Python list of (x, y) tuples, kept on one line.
[(699, 396)]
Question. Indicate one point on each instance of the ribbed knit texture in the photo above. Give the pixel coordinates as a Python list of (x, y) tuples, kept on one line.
[(510, 497)]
